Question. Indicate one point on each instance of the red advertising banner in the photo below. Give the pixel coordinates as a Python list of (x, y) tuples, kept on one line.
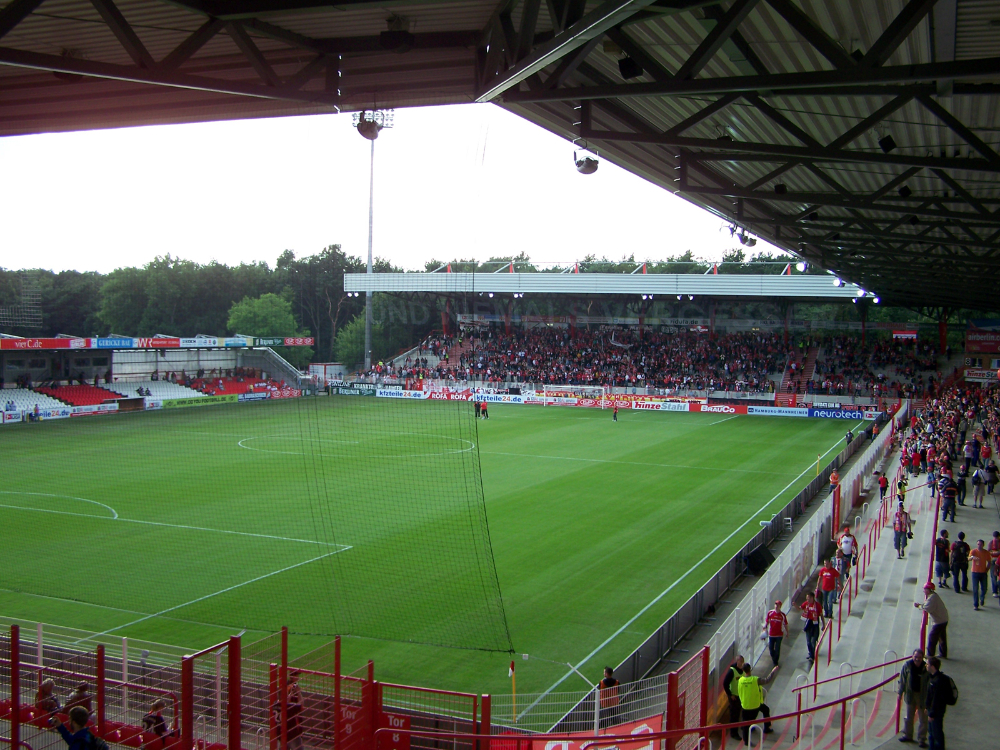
[(635, 729), (719, 408), (299, 341), (981, 341), (32, 344)]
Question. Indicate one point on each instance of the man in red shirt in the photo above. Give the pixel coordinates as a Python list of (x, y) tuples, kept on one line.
[(776, 628), (828, 578), (813, 616), (883, 486)]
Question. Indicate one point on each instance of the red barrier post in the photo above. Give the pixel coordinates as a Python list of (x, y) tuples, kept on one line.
[(843, 722), (840, 612), (704, 686), (235, 694), (15, 686), (484, 725), (100, 690), (899, 706), (829, 648), (272, 700), (337, 720), (673, 708), (283, 688), (187, 702)]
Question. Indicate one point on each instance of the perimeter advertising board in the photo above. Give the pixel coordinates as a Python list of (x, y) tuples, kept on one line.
[(392, 393), (179, 403), (981, 341), (721, 408), (361, 389), (778, 411), (837, 413), (979, 375)]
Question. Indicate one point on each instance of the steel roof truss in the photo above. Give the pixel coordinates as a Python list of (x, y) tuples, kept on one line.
[(125, 34), (14, 12)]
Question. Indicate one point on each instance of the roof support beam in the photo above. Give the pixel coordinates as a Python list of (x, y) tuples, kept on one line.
[(186, 49), (960, 129), (812, 33), (131, 74), (743, 151), (252, 53), (593, 24), (15, 12), (829, 82), (900, 28), (718, 36), (124, 33), (689, 122)]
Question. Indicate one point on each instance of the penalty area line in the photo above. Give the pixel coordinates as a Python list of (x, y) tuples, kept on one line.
[(214, 594), (673, 585)]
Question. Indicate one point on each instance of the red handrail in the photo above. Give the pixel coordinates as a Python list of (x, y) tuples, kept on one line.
[(669, 734), (850, 674), (11, 742)]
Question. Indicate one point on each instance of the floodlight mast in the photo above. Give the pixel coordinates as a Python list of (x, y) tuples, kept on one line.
[(369, 123)]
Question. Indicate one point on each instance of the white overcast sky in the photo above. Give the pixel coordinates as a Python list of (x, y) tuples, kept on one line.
[(461, 181)]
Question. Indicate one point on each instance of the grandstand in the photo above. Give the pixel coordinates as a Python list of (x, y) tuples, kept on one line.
[(25, 400)]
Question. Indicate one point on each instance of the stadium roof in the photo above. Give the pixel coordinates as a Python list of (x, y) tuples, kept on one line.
[(860, 135), (802, 287)]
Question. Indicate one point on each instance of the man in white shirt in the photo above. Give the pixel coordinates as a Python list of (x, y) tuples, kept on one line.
[(849, 546)]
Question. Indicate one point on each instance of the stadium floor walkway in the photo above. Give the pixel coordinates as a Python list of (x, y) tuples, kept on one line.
[(883, 620)]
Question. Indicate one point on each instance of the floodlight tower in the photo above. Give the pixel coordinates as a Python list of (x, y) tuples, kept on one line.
[(369, 123)]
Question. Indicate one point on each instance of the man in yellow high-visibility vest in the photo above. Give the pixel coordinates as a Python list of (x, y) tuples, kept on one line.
[(752, 699)]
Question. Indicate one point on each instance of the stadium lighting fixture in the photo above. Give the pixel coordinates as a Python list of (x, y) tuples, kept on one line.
[(837, 281), (491, 295), (861, 292), (679, 296), (800, 267), (690, 296), (876, 300), (369, 123), (586, 162)]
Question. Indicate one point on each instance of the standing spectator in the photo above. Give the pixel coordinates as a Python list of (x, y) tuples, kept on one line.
[(901, 487), (979, 558), (978, 488), (752, 699), (913, 680), (942, 558), (607, 688), (960, 563), (994, 549), (829, 577), (78, 737), (730, 685), (614, 413), (812, 613), (949, 493), (834, 481), (776, 628), (940, 695), (991, 476), (901, 528), (849, 546), (938, 615), (883, 486), (961, 484)]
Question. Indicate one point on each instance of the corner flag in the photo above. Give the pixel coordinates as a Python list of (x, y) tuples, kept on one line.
[(513, 692)]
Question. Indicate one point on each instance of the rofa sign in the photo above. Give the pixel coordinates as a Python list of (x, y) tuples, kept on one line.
[(635, 729)]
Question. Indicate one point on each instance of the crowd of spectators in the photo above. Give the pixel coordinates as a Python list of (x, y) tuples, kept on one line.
[(879, 368), (607, 356)]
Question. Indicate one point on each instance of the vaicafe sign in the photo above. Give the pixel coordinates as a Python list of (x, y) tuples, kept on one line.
[(229, 398)]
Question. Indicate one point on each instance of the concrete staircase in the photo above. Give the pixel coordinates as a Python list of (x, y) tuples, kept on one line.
[(882, 625), (808, 368)]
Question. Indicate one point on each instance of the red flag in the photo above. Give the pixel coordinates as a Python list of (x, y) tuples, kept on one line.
[(510, 672), (449, 268)]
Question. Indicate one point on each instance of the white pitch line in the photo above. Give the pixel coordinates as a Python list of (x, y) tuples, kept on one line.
[(670, 588), (114, 513), (209, 596), (116, 517), (632, 463), (722, 420)]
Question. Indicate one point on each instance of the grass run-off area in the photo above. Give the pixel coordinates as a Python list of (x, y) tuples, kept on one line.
[(336, 514)]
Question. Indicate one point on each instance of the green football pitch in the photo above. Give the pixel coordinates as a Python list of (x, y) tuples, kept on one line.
[(186, 525)]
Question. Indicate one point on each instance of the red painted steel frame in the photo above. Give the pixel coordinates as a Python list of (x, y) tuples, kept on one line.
[(235, 697), (15, 685)]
